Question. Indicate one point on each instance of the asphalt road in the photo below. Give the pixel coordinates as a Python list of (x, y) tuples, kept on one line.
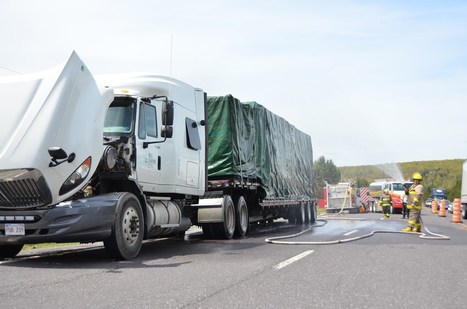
[(386, 270)]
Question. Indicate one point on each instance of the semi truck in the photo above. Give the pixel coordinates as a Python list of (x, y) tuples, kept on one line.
[(438, 194), (121, 158)]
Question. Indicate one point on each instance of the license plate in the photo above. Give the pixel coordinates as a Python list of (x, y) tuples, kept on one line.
[(14, 229)]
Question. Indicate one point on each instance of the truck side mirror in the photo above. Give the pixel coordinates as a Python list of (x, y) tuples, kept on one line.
[(57, 153), (167, 132), (168, 113)]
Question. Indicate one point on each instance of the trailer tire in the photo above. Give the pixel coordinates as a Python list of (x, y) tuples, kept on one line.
[(9, 251), (127, 234), (241, 217), (291, 215), (301, 214), (313, 213), (308, 212), (464, 212)]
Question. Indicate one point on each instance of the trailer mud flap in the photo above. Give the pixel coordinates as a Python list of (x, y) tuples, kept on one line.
[(210, 210)]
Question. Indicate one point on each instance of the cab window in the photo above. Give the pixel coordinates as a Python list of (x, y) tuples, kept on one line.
[(147, 121), (193, 140)]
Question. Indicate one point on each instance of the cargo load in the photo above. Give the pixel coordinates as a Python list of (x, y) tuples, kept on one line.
[(247, 141)]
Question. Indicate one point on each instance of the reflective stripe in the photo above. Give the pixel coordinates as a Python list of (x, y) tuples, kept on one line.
[(386, 201)]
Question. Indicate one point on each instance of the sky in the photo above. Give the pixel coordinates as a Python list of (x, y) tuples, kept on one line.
[(372, 82)]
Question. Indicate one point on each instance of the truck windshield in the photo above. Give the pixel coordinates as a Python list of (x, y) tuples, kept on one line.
[(397, 187), (120, 116)]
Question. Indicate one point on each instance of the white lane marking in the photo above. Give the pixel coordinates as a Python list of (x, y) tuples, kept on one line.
[(350, 233), (292, 259)]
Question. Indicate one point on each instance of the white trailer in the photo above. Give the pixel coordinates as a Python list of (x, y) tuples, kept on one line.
[(464, 190)]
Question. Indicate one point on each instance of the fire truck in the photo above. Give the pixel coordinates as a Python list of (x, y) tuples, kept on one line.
[(341, 197), (397, 193)]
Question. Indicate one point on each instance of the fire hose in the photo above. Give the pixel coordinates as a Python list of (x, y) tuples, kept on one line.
[(279, 239)]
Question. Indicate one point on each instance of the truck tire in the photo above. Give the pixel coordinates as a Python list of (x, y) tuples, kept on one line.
[(208, 230), (292, 215), (127, 234), (226, 229), (313, 212), (308, 212), (9, 251), (241, 217), (464, 212), (301, 214)]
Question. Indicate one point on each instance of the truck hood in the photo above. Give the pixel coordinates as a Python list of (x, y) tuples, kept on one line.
[(62, 107)]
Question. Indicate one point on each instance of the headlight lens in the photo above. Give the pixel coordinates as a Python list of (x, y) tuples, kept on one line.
[(77, 177)]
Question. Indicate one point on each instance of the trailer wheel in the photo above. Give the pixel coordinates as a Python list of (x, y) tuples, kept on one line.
[(464, 212), (308, 213), (226, 229), (126, 238), (301, 214), (241, 217), (291, 216), (9, 251), (314, 212)]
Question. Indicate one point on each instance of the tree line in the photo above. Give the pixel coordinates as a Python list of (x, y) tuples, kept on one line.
[(445, 174)]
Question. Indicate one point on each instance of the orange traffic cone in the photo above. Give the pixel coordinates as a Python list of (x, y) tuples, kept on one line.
[(442, 209), (434, 206), (456, 211)]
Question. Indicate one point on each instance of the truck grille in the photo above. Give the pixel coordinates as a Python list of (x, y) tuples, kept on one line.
[(25, 188)]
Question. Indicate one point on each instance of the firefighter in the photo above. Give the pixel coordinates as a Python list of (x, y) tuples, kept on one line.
[(386, 203), (414, 204)]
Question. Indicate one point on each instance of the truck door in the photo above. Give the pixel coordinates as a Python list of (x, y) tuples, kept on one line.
[(148, 159)]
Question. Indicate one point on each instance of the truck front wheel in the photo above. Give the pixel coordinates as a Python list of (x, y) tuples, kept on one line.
[(127, 232), (9, 251)]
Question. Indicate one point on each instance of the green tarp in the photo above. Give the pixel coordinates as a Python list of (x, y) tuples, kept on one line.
[(247, 141)]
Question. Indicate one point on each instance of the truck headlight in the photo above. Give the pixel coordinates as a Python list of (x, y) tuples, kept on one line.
[(77, 177)]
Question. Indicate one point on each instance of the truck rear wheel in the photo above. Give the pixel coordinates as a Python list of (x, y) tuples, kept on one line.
[(241, 217), (208, 230), (9, 251), (226, 229), (128, 229)]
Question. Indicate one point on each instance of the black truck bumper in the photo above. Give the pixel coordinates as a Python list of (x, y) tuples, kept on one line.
[(84, 220)]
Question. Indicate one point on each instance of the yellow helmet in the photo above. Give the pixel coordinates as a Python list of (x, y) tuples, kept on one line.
[(417, 176), (386, 191)]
